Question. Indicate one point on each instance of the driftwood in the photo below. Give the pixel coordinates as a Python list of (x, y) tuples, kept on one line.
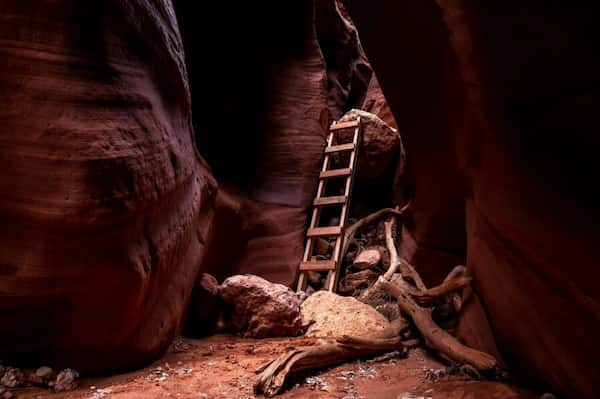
[(351, 230), (449, 286), (455, 298), (391, 246), (407, 271), (435, 337), (274, 374), (403, 282)]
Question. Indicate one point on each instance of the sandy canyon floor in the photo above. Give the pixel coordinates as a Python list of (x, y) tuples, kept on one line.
[(223, 367)]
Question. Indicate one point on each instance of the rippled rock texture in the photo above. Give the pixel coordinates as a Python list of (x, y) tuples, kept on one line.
[(496, 103), (105, 202)]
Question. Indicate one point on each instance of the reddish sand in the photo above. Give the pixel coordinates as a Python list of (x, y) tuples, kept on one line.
[(223, 367)]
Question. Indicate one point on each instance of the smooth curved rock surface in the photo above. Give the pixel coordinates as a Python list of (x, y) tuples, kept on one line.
[(348, 70), (105, 202), (495, 102), (267, 92)]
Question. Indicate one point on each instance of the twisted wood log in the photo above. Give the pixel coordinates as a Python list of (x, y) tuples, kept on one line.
[(350, 232), (435, 337), (273, 375), (448, 287)]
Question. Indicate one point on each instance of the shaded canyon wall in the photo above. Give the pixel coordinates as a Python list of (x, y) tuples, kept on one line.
[(496, 105), (105, 204)]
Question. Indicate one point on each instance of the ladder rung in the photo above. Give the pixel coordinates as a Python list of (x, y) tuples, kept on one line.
[(335, 173), (338, 148), (338, 199), (317, 265), (343, 125), (324, 231)]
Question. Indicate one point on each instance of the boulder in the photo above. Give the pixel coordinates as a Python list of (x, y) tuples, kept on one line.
[(368, 258), (262, 309), (12, 377), (66, 380), (334, 315), (380, 147)]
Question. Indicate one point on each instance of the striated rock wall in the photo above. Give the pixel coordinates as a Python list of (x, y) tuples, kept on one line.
[(105, 203), (496, 104), (348, 70)]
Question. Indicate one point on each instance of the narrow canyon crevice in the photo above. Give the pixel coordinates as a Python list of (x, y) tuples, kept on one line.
[(146, 142)]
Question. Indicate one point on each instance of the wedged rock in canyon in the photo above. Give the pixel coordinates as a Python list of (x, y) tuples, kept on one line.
[(495, 102), (381, 147), (105, 202)]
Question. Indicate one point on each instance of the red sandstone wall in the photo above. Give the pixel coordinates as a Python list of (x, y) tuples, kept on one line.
[(496, 104), (105, 202)]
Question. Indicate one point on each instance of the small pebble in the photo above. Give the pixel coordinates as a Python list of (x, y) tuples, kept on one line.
[(66, 380), (12, 377), (45, 373)]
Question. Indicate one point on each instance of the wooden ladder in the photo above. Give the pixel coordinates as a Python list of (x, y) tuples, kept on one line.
[(331, 266)]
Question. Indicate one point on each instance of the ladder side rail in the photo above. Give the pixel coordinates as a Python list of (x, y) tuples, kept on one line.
[(316, 213), (333, 277)]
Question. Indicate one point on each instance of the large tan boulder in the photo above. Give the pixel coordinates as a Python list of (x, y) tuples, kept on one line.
[(335, 315)]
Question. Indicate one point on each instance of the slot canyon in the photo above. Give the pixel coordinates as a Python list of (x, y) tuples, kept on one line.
[(161, 160)]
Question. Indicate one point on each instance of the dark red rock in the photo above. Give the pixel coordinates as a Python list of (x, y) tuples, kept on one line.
[(495, 103), (267, 92), (105, 202), (348, 70), (380, 147), (262, 309), (376, 103)]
